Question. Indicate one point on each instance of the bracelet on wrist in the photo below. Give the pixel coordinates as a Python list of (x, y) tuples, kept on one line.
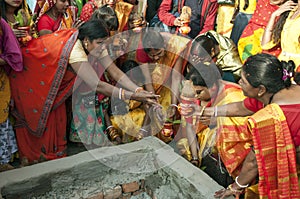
[(215, 111), (144, 130), (195, 159), (123, 95), (111, 126), (238, 184), (235, 191), (120, 93)]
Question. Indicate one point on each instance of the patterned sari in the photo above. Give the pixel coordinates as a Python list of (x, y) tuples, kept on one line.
[(65, 21), (223, 138), (39, 93), (249, 43), (9, 52), (275, 154)]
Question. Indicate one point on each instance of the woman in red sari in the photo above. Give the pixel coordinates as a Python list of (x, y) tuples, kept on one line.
[(53, 15), (58, 59), (274, 129)]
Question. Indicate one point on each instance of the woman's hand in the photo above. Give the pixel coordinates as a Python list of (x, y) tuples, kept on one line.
[(178, 22), (190, 109), (77, 23), (232, 189), (287, 6), (19, 33), (145, 96)]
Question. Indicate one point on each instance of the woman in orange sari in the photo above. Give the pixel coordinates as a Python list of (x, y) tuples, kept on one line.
[(40, 110), (274, 129)]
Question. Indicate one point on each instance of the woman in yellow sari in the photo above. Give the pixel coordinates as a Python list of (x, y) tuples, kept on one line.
[(213, 138), (163, 54), (284, 32)]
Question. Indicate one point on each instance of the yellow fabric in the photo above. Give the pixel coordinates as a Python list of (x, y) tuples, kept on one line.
[(253, 41), (289, 40), (228, 59), (162, 71), (4, 95), (225, 13), (230, 133), (129, 124), (123, 11), (77, 53), (208, 138), (251, 8)]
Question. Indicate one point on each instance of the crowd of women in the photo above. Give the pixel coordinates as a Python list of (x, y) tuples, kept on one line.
[(96, 73)]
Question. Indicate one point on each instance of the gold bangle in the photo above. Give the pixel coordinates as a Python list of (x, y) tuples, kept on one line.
[(235, 191)]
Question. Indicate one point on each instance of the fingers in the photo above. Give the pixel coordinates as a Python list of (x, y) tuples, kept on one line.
[(78, 23), (219, 193), (20, 33)]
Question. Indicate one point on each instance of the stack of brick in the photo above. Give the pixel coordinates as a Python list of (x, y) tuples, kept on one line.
[(123, 191)]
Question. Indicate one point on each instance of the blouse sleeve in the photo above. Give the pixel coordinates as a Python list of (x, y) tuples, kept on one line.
[(10, 48), (78, 54)]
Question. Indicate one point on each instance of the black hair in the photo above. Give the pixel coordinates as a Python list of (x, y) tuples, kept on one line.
[(246, 4), (152, 40), (265, 69), (204, 74), (93, 29), (278, 27), (3, 9), (108, 14), (206, 42), (133, 71)]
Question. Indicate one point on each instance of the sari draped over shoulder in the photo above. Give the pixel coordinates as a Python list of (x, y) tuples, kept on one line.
[(249, 42), (63, 22), (39, 93), (275, 154), (163, 68), (224, 137), (123, 11), (233, 142)]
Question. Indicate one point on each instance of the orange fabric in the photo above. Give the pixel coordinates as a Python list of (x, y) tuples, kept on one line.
[(39, 93), (275, 154), (233, 142)]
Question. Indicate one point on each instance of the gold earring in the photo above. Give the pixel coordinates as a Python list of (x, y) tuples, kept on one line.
[(86, 45)]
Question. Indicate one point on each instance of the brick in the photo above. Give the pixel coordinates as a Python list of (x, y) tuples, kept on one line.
[(113, 193), (130, 187), (96, 196)]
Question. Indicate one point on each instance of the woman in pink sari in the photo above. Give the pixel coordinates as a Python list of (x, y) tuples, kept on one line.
[(10, 59)]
